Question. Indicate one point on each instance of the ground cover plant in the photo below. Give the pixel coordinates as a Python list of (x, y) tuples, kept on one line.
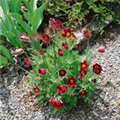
[(78, 13), (60, 77)]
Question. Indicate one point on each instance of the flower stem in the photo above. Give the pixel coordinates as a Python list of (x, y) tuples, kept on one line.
[(22, 68)]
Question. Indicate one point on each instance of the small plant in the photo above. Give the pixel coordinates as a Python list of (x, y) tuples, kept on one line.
[(60, 77)]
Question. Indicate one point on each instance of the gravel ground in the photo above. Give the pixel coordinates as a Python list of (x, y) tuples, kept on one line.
[(16, 104)]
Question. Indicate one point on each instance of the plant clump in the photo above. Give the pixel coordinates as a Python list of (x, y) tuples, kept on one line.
[(60, 77)]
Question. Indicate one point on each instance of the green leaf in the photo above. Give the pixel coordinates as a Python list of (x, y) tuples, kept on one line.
[(5, 20), (3, 61), (11, 37), (16, 42), (38, 16), (33, 3), (89, 2), (28, 6), (6, 53), (15, 5), (27, 15), (26, 27), (1, 27), (36, 45), (17, 16), (7, 27), (17, 37), (4, 5)]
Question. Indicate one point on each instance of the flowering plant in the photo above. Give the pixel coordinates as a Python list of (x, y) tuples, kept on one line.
[(60, 76)]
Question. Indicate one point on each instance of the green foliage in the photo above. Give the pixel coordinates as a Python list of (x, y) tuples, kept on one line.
[(118, 19), (4, 5), (79, 12), (36, 45), (8, 27), (15, 5), (3, 61), (13, 23), (5, 56), (35, 17)]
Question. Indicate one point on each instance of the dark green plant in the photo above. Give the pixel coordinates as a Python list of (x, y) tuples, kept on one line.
[(77, 13)]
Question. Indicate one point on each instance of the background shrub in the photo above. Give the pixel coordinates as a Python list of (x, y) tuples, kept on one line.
[(77, 13)]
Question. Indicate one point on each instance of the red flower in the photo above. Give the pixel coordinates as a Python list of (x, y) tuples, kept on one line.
[(87, 34), (42, 71), (45, 38), (36, 90), (84, 65), (61, 89), (50, 116), (55, 24), (67, 32), (65, 45), (83, 93), (82, 73), (60, 52), (71, 81), (94, 80), (97, 68), (101, 49), (24, 38), (56, 103), (27, 62), (62, 73)]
